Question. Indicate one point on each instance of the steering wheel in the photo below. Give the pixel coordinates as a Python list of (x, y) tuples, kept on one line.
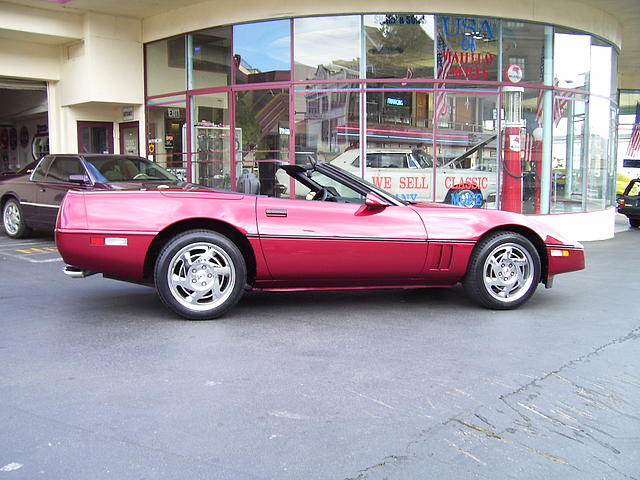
[(321, 195), (141, 176)]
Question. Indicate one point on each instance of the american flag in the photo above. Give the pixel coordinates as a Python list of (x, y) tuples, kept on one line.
[(559, 107), (634, 140), (444, 61)]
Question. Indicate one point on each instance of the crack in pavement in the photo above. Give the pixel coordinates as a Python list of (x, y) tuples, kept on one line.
[(569, 417)]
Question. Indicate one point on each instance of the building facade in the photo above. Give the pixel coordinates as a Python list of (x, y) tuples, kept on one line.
[(487, 107)]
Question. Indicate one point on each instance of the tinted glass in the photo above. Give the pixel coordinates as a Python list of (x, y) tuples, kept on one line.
[(399, 45), (572, 60), (262, 51), (327, 48), (467, 48), (62, 167), (210, 58), (523, 45), (121, 168), (165, 65), (41, 170)]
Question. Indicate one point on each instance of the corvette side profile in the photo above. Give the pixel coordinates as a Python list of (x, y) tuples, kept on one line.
[(202, 249)]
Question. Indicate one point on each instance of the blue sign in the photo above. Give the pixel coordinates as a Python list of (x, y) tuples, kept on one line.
[(398, 102)]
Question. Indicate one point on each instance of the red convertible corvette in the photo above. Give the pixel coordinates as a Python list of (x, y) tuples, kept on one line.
[(202, 249)]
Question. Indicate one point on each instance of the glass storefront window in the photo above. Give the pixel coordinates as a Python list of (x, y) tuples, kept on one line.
[(166, 133), (327, 121), (597, 166), (468, 48), (399, 45), (262, 51), (571, 60), (628, 159), (165, 66), (467, 149), (365, 97), (327, 48), (211, 137), (210, 58), (569, 153), (262, 132), (522, 45), (399, 140)]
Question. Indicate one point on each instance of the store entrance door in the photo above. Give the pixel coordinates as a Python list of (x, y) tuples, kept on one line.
[(95, 137), (129, 138)]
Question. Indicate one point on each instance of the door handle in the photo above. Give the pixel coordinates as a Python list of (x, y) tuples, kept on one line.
[(275, 213)]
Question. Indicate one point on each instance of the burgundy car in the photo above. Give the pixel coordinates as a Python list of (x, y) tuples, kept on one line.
[(203, 249), (30, 199)]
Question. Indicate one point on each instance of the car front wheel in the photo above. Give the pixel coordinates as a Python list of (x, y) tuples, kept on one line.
[(200, 274), (13, 219), (503, 272)]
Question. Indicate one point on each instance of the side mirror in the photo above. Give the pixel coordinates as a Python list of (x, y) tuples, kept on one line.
[(81, 179), (374, 201)]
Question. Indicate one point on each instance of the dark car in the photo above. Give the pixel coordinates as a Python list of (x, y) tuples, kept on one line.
[(629, 202), (30, 198)]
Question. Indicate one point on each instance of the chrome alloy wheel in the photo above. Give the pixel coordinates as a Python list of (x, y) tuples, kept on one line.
[(508, 272), (11, 218), (201, 276)]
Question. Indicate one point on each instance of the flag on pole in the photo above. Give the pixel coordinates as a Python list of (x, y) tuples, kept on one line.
[(444, 61), (634, 140), (559, 106)]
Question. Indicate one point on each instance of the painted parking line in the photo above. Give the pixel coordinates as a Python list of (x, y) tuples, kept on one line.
[(37, 250), (32, 252)]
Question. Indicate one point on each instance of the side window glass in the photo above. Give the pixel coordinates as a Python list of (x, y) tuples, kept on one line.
[(41, 169), (62, 167), (393, 160), (373, 160), (635, 189)]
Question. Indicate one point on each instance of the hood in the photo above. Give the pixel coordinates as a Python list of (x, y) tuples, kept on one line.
[(454, 222)]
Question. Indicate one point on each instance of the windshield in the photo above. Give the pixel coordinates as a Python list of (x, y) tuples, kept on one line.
[(370, 186), (125, 169)]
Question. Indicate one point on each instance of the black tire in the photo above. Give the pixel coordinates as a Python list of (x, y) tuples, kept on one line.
[(13, 219), (503, 272), (634, 222), (470, 197), (200, 274)]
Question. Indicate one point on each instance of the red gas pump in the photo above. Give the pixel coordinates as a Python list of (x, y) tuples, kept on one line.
[(512, 166)]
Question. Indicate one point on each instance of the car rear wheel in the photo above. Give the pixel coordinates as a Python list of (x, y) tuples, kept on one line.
[(503, 272), (200, 274), (13, 219), (634, 222)]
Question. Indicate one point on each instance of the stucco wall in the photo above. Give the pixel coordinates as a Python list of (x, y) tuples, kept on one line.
[(208, 13)]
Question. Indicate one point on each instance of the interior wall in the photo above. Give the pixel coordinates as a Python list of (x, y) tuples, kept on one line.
[(12, 159)]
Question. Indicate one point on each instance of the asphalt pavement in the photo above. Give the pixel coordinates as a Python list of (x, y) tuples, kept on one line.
[(99, 381)]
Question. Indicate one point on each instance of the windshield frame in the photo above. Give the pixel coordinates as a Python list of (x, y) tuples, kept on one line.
[(358, 183)]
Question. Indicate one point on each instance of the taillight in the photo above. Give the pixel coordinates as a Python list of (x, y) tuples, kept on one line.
[(620, 202)]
